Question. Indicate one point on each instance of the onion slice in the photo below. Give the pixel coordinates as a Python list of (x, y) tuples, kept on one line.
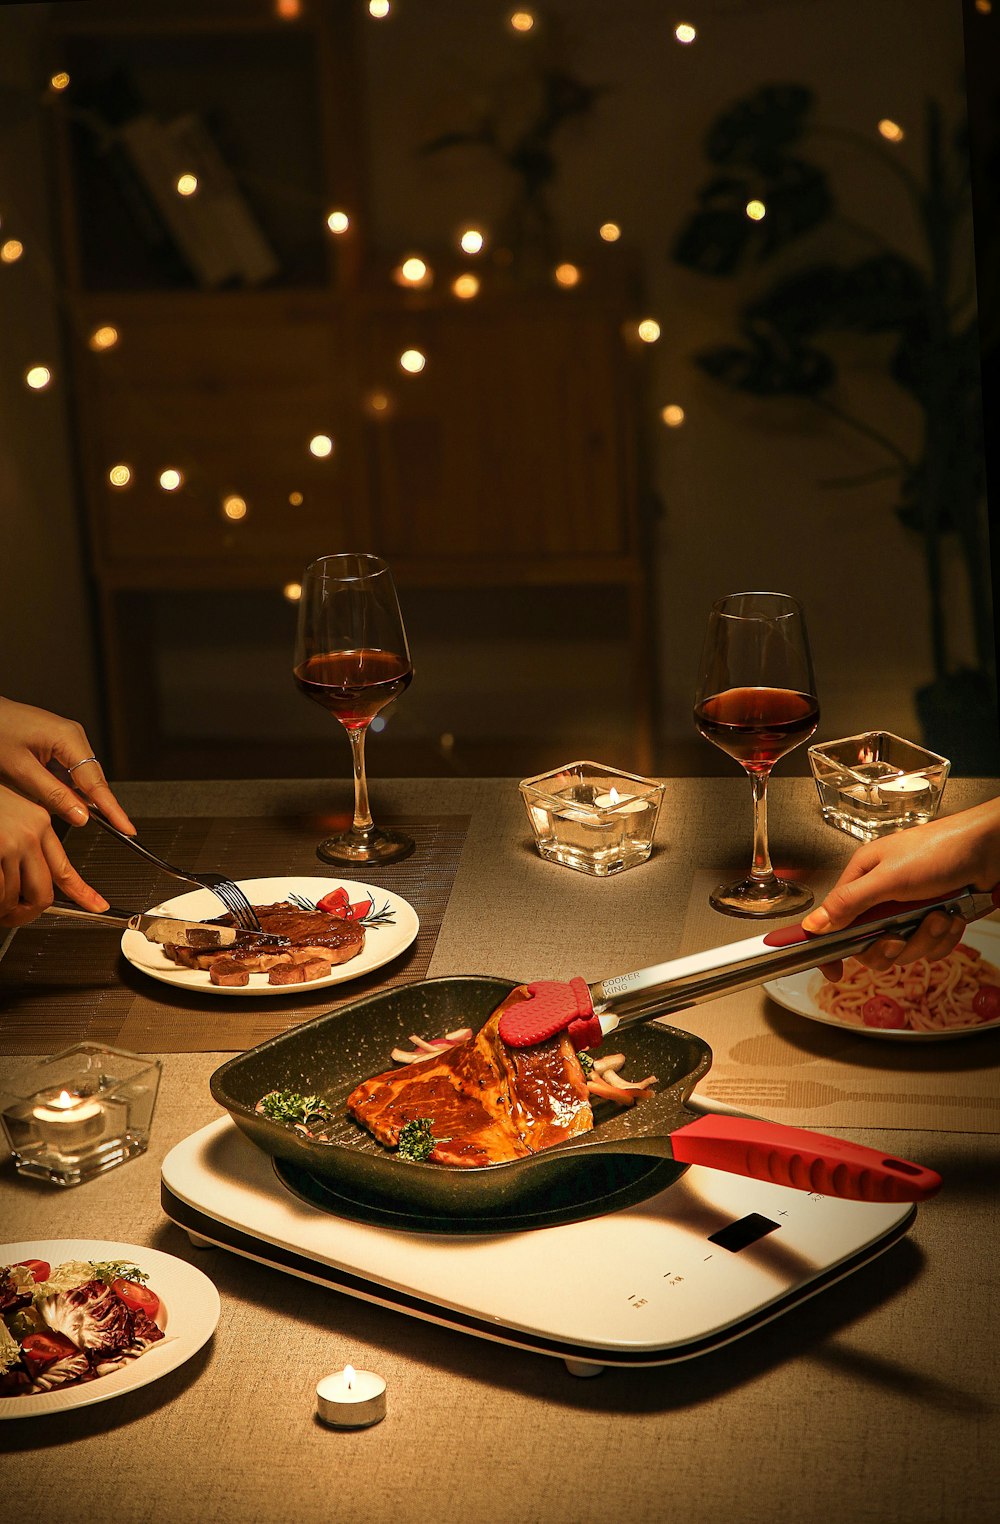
[(624, 1084)]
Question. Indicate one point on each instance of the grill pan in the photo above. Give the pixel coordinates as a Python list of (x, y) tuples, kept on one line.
[(332, 1054)]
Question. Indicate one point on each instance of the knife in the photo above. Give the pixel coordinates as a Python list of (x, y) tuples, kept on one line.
[(169, 930)]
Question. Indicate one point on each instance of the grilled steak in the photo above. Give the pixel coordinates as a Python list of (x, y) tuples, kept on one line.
[(325, 938), (487, 1102)]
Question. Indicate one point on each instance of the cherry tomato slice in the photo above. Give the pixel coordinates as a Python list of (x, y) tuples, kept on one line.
[(883, 1011), (40, 1268), (337, 902), (39, 1350), (359, 909), (986, 1002), (137, 1298)]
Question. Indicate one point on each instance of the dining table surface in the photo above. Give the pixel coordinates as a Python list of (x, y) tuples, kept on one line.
[(874, 1400)]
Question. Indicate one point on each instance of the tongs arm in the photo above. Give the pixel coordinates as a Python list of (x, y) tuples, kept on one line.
[(589, 1012)]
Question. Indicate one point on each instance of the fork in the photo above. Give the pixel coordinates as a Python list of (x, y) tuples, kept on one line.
[(230, 894)]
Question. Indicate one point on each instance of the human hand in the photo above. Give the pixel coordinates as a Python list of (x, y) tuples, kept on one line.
[(939, 858), (32, 860), (32, 738)]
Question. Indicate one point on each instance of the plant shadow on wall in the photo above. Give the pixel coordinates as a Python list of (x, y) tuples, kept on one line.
[(762, 197)]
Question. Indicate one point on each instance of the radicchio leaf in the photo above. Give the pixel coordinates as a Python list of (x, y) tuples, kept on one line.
[(92, 1316), (62, 1372), (12, 1295)]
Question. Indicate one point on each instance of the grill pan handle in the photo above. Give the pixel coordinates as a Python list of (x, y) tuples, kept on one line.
[(806, 1161)]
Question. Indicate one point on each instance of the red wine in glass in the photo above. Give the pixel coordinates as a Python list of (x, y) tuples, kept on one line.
[(352, 657), (757, 701), (354, 685), (757, 725)]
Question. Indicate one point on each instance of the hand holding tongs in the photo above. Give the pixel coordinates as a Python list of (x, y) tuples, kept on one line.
[(587, 1012)]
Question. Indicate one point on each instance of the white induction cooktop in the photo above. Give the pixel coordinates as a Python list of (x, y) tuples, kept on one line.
[(699, 1264)]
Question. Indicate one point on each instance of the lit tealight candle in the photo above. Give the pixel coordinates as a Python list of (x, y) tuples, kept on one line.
[(68, 1119), (625, 804), (351, 1399), (905, 789)]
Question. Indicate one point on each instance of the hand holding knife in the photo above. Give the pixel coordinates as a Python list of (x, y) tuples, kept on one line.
[(202, 936)]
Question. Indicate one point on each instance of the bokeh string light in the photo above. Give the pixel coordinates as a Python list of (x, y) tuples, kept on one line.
[(411, 270)]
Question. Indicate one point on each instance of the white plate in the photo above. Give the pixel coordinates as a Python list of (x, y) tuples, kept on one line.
[(188, 1298), (381, 942), (797, 993)]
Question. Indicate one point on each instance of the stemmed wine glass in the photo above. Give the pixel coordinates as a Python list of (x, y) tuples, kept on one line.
[(757, 700), (352, 657)]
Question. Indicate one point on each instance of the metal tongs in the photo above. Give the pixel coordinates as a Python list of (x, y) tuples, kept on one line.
[(587, 1012), (168, 930)]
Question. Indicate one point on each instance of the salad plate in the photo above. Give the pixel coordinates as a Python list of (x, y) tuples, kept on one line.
[(189, 1312), (798, 993), (394, 925)]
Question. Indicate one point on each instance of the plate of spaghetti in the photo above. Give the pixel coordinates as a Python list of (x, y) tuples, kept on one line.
[(914, 1002)]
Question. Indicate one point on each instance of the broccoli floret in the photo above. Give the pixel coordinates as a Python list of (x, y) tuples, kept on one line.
[(586, 1064), (290, 1107)]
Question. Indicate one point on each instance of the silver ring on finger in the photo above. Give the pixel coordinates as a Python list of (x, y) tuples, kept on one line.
[(82, 763)]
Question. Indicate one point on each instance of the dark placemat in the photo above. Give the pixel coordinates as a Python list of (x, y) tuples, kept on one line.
[(62, 982)]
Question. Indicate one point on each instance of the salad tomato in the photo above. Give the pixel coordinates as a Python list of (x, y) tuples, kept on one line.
[(40, 1268), (41, 1349), (137, 1298)]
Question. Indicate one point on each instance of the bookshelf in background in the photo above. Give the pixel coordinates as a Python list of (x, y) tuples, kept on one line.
[(256, 353)]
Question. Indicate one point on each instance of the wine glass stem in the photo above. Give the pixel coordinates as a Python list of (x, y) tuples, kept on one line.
[(362, 812), (761, 857)]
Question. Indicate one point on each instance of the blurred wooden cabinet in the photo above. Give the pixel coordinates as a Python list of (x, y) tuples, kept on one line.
[(509, 459)]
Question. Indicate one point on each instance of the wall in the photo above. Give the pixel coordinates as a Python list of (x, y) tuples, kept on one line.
[(738, 488), (46, 620), (740, 484)]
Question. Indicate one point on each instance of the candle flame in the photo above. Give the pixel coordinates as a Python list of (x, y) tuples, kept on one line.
[(615, 796), (349, 1374), (64, 1100)]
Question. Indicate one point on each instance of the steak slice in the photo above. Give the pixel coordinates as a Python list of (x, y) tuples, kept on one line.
[(323, 939), (487, 1103)]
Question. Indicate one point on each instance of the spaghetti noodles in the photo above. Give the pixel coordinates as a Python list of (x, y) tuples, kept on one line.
[(931, 997)]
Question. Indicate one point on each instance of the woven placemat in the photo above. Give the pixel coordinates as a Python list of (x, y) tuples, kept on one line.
[(62, 982), (776, 1063)]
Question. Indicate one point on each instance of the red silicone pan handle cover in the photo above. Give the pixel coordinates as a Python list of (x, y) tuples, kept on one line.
[(808, 1161), (552, 1008)]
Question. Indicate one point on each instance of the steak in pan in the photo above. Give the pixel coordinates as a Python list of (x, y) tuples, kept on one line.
[(488, 1103)]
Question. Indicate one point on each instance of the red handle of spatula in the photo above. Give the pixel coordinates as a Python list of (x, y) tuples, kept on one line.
[(553, 1007), (807, 1161), (789, 936)]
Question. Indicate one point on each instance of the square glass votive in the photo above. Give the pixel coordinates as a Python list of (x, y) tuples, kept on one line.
[(72, 1116), (876, 782), (592, 817)]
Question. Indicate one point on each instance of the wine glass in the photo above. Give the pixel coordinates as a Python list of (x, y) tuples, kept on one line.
[(352, 657), (757, 700)]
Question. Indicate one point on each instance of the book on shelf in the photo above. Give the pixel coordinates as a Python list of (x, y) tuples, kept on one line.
[(214, 228)]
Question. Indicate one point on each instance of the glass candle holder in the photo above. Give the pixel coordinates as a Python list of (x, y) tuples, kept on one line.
[(589, 816), (876, 782), (83, 1111)]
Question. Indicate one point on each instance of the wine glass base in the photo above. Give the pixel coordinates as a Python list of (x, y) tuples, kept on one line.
[(371, 846), (760, 898)]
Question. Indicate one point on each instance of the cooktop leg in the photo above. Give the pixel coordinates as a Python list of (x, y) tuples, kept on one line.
[(197, 1242), (583, 1368)]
